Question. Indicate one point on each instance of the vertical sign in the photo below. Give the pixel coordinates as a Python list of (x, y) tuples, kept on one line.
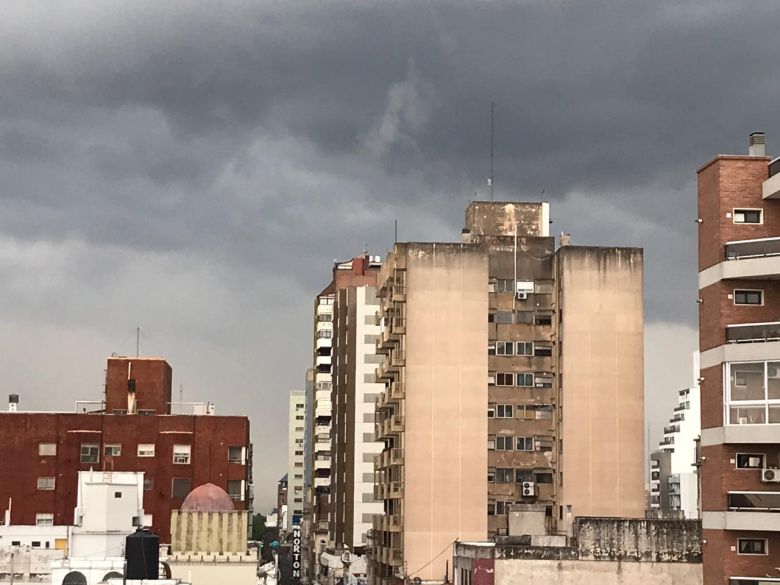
[(296, 553)]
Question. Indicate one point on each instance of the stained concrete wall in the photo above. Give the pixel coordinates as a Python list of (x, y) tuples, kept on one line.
[(601, 382), (577, 572), (445, 440), (209, 532), (220, 571)]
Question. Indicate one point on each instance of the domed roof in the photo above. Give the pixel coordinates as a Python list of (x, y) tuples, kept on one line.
[(207, 498)]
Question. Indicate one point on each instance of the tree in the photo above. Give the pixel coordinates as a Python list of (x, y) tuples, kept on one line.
[(258, 527)]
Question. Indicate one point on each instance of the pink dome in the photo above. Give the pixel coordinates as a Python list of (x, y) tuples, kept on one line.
[(207, 498)]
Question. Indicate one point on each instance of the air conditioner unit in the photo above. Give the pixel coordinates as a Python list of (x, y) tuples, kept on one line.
[(770, 475), (529, 489), (521, 295), (743, 420)]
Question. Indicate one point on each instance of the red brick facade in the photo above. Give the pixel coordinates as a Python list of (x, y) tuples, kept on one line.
[(146, 380), (209, 438), (725, 184)]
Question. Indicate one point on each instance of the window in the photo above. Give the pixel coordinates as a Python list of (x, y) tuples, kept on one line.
[(36, 544), (47, 449), (753, 395), (491, 349), (181, 454), (146, 449), (44, 519), (748, 216), (505, 285), (505, 443), (542, 319), (46, 483), (504, 411), (235, 454), (525, 348), (112, 450), (525, 380), (118, 495), (491, 410), (752, 546), (491, 476), (325, 317), (523, 475), (235, 489), (491, 508), (119, 411), (748, 297), (146, 412), (542, 349), (505, 348), (543, 477), (502, 507), (491, 442), (180, 487), (525, 443), (505, 379), (750, 460), (90, 453), (148, 484), (505, 475)]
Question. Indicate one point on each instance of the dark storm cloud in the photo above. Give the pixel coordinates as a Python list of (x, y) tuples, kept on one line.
[(200, 164)]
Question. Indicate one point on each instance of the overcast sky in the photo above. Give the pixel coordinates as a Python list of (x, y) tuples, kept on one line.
[(193, 168)]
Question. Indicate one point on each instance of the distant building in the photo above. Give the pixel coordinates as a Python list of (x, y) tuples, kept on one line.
[(296, 424), (674, 480), (359, 271), (281, 501), (739, 340), (209, 540), (130, 430), (354, 443)]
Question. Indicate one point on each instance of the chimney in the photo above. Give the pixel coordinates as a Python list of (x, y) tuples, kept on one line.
[(756, 144), (13, 402), (565, 240)]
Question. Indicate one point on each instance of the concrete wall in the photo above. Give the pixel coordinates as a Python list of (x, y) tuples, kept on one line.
[(28, 561), (445, 489), (218, 571), (209, 532), (551, 572), (601, 387)]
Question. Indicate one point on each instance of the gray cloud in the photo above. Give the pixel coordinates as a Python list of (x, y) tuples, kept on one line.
[(195, 167)]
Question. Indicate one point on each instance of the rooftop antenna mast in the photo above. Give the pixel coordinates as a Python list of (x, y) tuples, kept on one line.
[(137, 341), (491, 178)]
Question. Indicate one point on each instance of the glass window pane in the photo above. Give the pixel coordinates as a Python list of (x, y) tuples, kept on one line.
[(774, 414), (773, 380), (747, 382), (747, 415)]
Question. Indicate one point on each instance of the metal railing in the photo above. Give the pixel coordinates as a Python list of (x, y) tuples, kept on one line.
[(752, 248), (753, 332)]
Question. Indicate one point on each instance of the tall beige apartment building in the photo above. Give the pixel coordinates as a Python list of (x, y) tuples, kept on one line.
[(513, 373)]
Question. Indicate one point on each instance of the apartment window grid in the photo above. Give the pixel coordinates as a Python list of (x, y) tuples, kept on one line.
[(753, 393), (181, 454), (44, 519), (46, 483), (112, 450), (519, 379), (47, 449), (145, 450), (90, 453), (748, 297)]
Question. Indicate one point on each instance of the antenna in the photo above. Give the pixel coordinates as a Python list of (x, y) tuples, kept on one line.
[(492, 177), (395, 231), (137, 341)]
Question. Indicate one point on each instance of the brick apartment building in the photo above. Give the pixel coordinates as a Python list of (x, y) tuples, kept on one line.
[(133, 430), (739, 339)]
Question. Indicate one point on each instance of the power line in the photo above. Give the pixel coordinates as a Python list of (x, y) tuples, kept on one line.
[(434, 558)]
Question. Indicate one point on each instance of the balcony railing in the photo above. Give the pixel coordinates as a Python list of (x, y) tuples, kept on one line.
[(752, 248), (671, 429), (754, 501), (753, 332)]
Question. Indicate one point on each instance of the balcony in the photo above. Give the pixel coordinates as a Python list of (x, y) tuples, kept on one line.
[(753, 332), (394, 490), (391, 425), (759, 248), (770, 189), (396, 392), (397, 360), (671, 429)]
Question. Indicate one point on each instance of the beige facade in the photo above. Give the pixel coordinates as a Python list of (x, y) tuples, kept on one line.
[(209, 532), (432, 415), (600, 383)]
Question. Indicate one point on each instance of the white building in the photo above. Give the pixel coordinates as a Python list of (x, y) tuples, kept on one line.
[(296, 427), (674, 484), (109, 507)]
